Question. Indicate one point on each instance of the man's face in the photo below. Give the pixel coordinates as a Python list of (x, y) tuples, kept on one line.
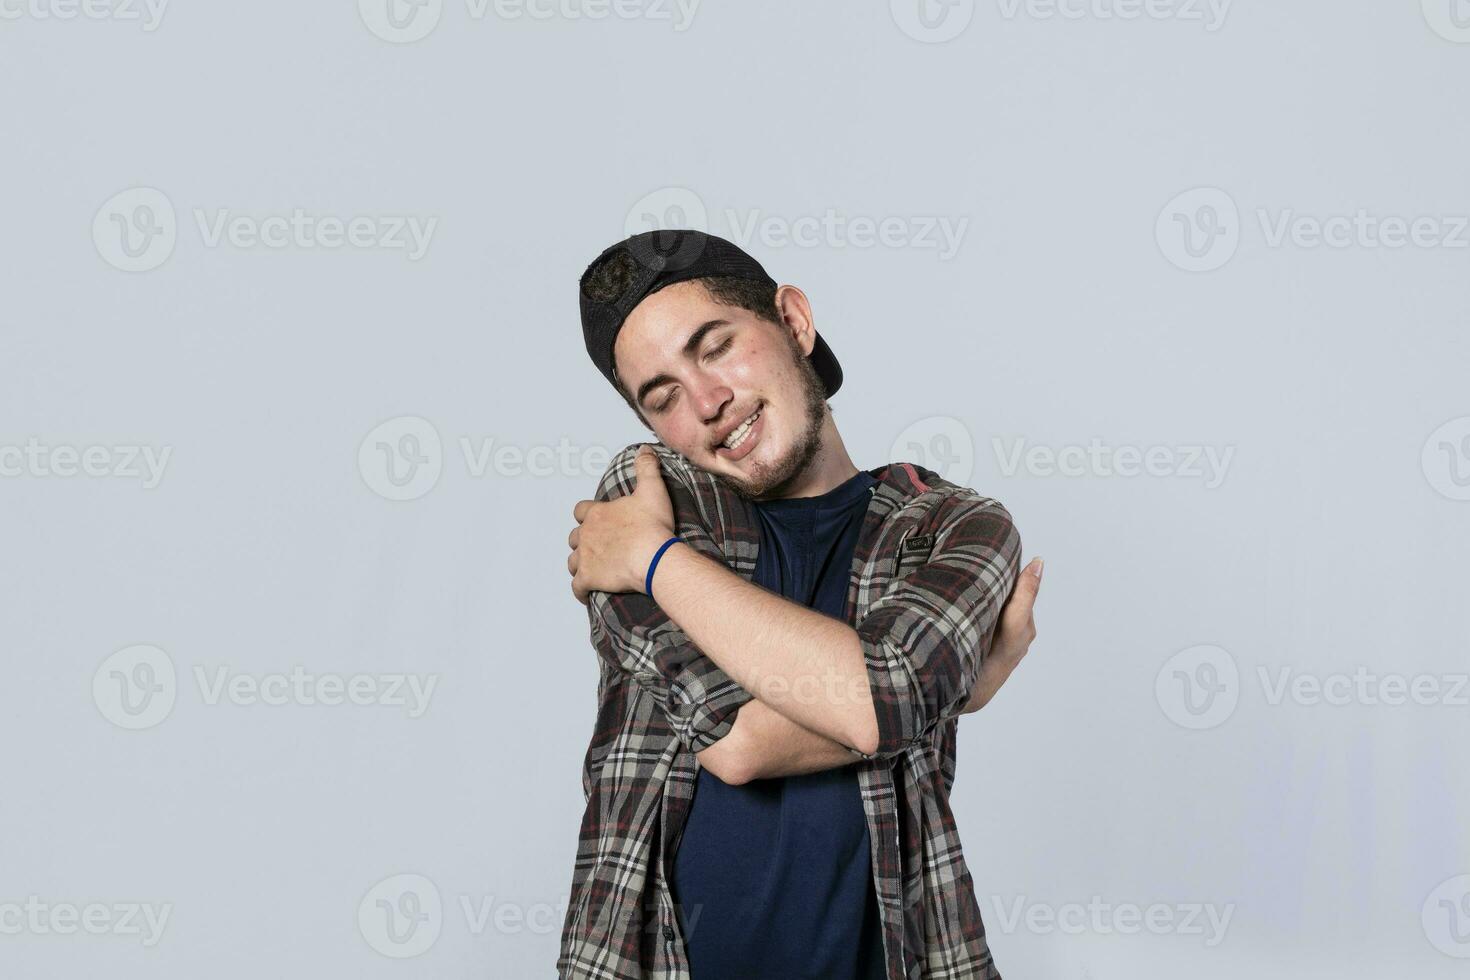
[(700, 370)]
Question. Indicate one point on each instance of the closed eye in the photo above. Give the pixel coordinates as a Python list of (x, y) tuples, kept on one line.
[(668, 402)]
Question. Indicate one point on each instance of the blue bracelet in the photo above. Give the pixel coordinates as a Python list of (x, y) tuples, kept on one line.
[(648, 579)]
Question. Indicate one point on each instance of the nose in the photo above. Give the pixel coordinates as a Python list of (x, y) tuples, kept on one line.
[(711, 397)]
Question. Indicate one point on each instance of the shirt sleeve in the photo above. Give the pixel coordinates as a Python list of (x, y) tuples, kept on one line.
[(924, 639), (632, 634)]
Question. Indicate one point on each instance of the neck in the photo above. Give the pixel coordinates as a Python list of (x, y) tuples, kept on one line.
[(830, 467)]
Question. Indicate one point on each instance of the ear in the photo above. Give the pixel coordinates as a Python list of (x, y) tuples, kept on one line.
[(796, 315)]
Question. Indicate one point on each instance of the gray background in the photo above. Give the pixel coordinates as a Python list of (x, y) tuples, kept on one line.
[(1333, 835)]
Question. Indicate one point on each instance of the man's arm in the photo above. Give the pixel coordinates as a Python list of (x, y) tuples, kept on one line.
[(731, 734), (928, 636), (804, 664), (1013, 638), (764, 743), (633, 635), (910, 664)]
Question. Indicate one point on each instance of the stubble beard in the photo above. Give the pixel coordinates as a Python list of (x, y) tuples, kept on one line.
[(772, 480)]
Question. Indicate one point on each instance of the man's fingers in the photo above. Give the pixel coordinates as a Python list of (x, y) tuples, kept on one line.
[(1028, 584), (580, 511), (574, 536), (1018, 606), (572, 563), (645, 465)]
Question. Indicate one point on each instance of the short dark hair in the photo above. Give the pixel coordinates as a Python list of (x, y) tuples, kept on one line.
[(608, 281)]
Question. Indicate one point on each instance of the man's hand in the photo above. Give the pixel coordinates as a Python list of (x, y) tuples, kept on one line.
[(1013, 637), (616, 539)]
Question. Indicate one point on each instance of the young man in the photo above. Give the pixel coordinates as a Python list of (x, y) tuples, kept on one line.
[(785, 643)]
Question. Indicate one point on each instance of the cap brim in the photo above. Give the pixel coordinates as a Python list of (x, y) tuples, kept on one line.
[(825, 363)]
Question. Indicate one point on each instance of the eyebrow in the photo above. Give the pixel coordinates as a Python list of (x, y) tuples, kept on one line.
[(690, 346)]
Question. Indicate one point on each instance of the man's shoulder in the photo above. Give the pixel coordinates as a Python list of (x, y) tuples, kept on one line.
[(621, 473), (919, 489)]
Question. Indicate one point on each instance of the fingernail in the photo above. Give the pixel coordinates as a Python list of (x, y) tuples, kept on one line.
[(1040, 564)]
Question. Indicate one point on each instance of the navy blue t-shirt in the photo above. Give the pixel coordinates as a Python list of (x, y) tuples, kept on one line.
[(773, 879)]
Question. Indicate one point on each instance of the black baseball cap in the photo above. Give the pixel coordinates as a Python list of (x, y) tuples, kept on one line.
[(651, 260)]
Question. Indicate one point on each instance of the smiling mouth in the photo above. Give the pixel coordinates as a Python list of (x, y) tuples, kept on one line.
[(741, 436)]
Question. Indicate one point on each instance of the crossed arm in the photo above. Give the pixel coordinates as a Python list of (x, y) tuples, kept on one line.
[(769, 645), (760, 686), (764, 743)]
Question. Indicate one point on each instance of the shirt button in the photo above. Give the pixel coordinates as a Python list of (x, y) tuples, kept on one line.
[(669, 933)]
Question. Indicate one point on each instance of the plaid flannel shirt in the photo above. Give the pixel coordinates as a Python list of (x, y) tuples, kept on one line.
[(933, 566)]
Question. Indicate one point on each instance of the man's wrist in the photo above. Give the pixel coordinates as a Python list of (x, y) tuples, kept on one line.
[(656, 552)]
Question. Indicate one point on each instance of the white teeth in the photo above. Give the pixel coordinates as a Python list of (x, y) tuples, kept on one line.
[(734, 439)]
